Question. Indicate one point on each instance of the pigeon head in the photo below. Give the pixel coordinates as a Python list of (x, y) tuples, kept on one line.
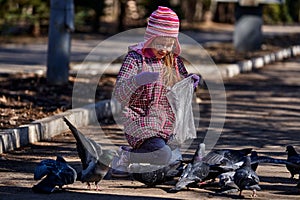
[(254, 154), (247, 162), (59, 158), (246, 151), (291, 150)]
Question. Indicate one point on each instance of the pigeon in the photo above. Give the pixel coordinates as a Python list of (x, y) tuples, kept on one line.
[(224, 160), (256, 160), (226, 179), (95, 160), (56, 172), (152, 175), (254, 156), (246, 178), (222, 156), (293, 157), (199, 153), (226, 182), (193, 172)]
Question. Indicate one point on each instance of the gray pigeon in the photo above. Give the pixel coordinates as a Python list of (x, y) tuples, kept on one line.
[(194, 172), (293, 157), (224, 160), (152, 175), (199, 153), (226, 182), (226, 179), (256, 160), (95, 160), (221, 156), (57, 172), (245, 178), (254, 156)]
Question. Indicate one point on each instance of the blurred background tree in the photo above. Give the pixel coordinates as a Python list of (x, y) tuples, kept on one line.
[(23, 16), (112, 16), (88, 12)]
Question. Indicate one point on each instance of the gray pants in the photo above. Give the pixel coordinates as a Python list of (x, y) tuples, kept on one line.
[(154, 151)]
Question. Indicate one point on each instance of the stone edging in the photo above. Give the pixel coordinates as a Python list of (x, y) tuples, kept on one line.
[(48, 127), (258, 62)]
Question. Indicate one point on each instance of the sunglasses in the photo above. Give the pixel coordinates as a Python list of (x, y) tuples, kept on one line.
[(164, 43)]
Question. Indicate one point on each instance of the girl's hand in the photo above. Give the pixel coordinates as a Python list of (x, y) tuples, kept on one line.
[(196, 79)]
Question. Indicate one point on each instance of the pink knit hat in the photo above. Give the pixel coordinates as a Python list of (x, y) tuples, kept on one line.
[(162, 22)]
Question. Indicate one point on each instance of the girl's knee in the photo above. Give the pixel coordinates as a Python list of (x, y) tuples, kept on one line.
[(163, 155)]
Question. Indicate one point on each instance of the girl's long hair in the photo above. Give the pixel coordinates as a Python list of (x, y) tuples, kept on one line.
[(170, 72)]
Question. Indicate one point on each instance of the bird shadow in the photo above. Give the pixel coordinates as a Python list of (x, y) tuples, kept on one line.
[(14, 192), (284, 180), (292, 192), (231, 196)]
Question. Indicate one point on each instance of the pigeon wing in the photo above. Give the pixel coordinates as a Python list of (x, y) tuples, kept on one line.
[(43, 168), (58, 173), (236, 155), (192, 173), (65, 174), (226, 155), (214, 158)]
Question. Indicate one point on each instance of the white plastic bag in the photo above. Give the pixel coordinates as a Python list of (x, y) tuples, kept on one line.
[(180, 98)]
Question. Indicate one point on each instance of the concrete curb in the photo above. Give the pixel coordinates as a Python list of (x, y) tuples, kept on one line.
[(245, 66), (46, 128)]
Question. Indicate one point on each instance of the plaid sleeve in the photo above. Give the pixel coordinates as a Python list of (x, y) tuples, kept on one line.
[(181, 67), (126, 84)]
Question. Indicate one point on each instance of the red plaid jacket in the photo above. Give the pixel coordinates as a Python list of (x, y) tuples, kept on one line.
[(146, 110)]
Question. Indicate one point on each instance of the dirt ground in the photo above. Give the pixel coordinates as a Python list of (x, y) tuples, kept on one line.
[(262, 113), (28, 97)]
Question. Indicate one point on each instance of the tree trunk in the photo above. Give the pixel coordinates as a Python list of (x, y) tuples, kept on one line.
[(35, 26), (122, 15), (224, 13)]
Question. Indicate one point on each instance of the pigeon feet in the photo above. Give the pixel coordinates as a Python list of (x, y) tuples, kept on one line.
[(253, 195), (88, 186), (98, 188)]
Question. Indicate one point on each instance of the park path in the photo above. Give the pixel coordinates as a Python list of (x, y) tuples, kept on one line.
[(30, 55), (263, 112)]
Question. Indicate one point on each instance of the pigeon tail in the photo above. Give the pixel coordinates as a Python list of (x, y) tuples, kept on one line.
[(86, 147), (199, 154), (72, 128), (95, 160)]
